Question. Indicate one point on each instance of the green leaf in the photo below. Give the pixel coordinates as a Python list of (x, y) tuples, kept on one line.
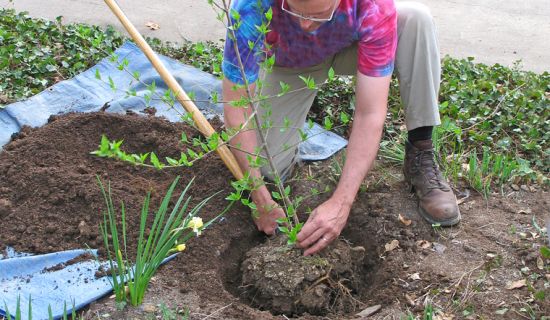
[(143, 157), (545, 252), (192, 154), (172, 161), (225, 136), (269, 14), (184, 137), (97, 74), (233, 196), (328, 123), (344, 117), (104, 146), (291, 210), (155, 161), (309, 82), (276, 195), (284, 230), (286, 124), (214, 97), (270, 61), (303, 135), (331, 73), (284, 88), (112, 84), (235, 15)]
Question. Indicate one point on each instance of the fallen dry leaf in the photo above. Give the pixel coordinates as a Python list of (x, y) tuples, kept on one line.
[(424, 244), (415, 276), (517, 284), (369, 311), (390, 246), (540, 263), (410, 299), (404, 220), (152, 25), (524, 211)]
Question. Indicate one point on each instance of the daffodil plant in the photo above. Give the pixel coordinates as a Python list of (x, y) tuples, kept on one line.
[(170, 230)]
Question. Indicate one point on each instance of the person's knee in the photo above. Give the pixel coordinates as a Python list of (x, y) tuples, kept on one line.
[(414, 14)]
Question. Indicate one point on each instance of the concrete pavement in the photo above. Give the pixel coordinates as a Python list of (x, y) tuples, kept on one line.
[(492, 31)]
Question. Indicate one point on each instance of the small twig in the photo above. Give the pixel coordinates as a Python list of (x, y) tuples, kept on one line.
[(217, 311), (490, 224), (522, 315), (457, 283)]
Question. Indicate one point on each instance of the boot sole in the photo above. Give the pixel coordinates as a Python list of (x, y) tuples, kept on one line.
[(444, 223), (427, 217)]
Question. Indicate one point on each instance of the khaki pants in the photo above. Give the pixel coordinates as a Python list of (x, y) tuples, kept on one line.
[(418, 70)]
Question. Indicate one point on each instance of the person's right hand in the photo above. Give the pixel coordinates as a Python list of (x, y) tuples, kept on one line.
[(268, 213)]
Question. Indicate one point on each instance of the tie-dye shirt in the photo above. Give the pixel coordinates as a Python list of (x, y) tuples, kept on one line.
[(370, 23)]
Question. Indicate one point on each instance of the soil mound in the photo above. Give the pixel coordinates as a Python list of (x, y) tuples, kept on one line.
[(50, 200)]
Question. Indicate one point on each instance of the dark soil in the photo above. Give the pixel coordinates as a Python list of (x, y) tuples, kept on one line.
[(50, 201)]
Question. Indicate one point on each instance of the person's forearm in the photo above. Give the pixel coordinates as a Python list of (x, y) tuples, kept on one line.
[(245, 143), (360, 155), (371, 107)]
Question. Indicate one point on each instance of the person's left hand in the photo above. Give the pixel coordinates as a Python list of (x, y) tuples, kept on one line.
[(323, 226)]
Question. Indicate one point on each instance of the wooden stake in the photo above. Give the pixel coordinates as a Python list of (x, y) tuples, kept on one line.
[(202, 124)]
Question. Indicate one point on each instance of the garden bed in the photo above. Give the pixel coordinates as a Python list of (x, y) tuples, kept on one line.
[(50, 201)]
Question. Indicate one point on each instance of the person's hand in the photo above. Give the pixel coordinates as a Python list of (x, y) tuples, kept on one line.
[(268, 212), (323, 226)]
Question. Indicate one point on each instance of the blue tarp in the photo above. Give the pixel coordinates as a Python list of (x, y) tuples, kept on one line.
[(28, 277), (23, 276)]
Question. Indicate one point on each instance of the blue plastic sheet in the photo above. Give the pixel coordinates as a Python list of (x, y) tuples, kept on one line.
[(73, 286), (51, 283), (23, 276)]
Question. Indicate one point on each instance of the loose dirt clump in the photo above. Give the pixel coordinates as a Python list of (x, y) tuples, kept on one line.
[(279, 278)]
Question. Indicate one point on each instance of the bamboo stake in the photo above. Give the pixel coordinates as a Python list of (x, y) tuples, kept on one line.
[(202, 124)]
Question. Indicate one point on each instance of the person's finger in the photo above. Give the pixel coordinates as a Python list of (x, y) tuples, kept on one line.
[(314, 237), (309, 227), (319, 245)]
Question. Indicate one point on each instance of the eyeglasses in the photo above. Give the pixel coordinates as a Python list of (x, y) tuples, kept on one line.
[(297, 15)]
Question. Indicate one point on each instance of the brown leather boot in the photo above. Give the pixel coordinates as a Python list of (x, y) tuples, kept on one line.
[(436, 200)]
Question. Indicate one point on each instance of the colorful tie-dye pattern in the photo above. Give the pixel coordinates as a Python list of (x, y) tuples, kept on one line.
[(370, 23)]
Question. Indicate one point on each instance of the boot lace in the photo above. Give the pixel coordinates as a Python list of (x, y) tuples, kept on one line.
[(424, 162)]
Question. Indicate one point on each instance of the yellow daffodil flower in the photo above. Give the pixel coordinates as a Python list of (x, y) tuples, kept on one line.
[(181, 247), (196, 224)]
